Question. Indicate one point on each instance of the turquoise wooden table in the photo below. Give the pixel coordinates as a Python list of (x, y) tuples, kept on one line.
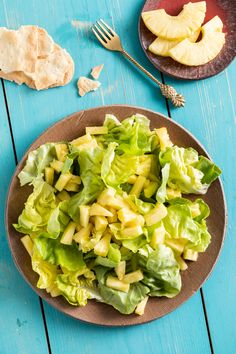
[(207, 322)]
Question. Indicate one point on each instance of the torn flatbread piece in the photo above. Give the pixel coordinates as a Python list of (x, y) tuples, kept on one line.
[(86, 85), (96, 71), (18, 49), (30, 56)]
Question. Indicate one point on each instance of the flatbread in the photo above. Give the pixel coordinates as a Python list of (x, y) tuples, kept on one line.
[(56, 69), (18, 49), (86, 85), (18, 77), (39, 63), (45, 43)]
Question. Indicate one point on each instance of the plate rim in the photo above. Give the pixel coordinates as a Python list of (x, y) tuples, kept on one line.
[(41, 292)]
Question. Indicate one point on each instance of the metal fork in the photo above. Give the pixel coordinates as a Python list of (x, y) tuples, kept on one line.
[(110, 40)]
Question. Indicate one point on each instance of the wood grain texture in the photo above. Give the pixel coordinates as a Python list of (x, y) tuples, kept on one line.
[(210, 114), (183, 331), (20, 320)]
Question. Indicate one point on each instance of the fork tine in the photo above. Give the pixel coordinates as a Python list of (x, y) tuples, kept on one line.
[(98, 37), (104, 30), (101, 34), (110, 29)]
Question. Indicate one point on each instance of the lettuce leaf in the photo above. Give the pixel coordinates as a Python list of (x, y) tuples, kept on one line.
[(38, 208), (116, 169), (161, 192), (121, 301), (77, 293), (36, 162), (90, 162), (132, 135), (179, 223), (56, 253), (161, 271), (189, 172)]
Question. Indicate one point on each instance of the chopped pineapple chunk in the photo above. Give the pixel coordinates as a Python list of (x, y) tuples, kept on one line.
[(126, 216), (132, 232), (132, 179), (83, 234), (141, 306), (28, 244), (102, 247), (68, 233), (75, 179), (150, 189), (176, 244), (97, 209), (84, 211), (164, 138), (100, 223), (71, 187), (175, 27), (63, 195), (158, 236), (96, 130), (133, 277), (182, 264), (112, 218), (85, 139), (57, 165), (190, 255), (62, 181), (61, 151), (172, 193), (120, 269), (115, 283), (158, 213), (49, 175), (195, 210), (138, 186)]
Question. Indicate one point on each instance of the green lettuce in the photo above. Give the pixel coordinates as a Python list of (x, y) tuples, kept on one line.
[(116, 169), (179, 223), (90, 162), (161, 271), (189, 172), (132, 135), (38, 208), (36, 162), (161, 192), (121, 301)]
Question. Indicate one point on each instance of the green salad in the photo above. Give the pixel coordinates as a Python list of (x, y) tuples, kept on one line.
[(106, 219)]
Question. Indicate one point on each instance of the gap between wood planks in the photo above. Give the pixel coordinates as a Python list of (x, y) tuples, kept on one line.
[(16, 162), (201, 291)]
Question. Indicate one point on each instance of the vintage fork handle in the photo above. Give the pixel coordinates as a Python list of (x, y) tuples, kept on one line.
[(167, 91)]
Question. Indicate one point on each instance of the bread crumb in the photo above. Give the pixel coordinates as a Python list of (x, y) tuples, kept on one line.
[(96, 71), (86, 85)]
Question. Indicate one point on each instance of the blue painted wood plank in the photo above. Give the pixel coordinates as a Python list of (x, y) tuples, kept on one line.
[(210, 114), (20, 316), (183, 331)]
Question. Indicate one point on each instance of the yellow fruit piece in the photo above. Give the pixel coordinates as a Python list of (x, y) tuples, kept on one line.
[(61, 151), (97, 209), (200, 53), (158, 236), (164, 138), (120, 269), (100, 223), (141, 306), (190, 255), (102, 247), (68, 233), (184, 25), (133, 277), (156, 214), (162, 46), (84, 215), (132, 232), (96, 130), (115, 283), (28, 244), (138, 186)]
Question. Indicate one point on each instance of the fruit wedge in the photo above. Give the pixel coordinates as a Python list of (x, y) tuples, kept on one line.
[(194, 54), (184, 25), (162, 46)]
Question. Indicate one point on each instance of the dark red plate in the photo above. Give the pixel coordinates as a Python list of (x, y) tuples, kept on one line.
[(94, 312), (225, 9)]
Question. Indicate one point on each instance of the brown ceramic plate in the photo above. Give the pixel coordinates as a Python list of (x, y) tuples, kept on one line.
[(70, 128), (225, 9)]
